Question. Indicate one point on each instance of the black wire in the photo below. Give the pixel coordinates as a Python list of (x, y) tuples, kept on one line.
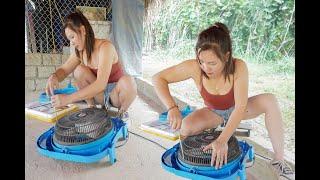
[(252, 163), (149, 140), (139, 136), (126, 140), (264, 157)]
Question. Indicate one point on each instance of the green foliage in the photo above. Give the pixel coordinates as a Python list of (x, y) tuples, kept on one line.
[(260, 29)]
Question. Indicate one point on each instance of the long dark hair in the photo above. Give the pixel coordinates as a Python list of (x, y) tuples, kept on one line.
[(73, 21), (217, 38)]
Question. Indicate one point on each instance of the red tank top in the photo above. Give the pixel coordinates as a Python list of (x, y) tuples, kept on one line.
[(219, 102), (115, 74)]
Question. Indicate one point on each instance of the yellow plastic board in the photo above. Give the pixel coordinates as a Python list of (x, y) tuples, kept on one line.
[(45, 112)]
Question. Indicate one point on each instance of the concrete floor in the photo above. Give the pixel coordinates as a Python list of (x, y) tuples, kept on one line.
[(138, 159)]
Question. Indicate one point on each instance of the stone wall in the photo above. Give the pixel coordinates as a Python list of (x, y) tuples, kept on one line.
[(39, 66), (101, 29)]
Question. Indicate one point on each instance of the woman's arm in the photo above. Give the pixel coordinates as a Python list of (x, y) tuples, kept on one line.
[(241, 99), (61, 73), (176, 73), (106, 55), (69, 66)]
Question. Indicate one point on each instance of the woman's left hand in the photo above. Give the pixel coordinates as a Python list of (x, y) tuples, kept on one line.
[(59, 100), (219, 153)]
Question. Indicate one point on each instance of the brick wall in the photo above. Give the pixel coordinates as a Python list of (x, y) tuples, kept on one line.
[(38, 67)]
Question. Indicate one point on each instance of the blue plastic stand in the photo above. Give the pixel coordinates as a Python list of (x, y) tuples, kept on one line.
[(85, 153), (231, 171), (43, 98), (184, 112)]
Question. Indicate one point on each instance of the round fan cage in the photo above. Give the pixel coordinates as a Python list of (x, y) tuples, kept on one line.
[(82, 127), (193, 153)]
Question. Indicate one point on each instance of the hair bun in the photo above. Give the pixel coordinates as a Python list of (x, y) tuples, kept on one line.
[(222, 27)]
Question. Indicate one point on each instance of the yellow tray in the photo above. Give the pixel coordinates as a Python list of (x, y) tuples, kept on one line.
[(160, 135), (61, 114)]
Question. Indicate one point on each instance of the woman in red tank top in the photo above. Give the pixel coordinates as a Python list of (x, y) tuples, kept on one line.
[(223, 84), (97, 70)]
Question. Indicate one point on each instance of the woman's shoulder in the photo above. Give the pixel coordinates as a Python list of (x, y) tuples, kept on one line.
[(103, 43), (239, 62), (106, 46), (188, 66), (191, 64), (240, 66)]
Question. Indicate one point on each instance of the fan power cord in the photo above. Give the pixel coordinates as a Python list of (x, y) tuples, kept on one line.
[(264, 157), (125, 141), (120, 115), (148, 140)]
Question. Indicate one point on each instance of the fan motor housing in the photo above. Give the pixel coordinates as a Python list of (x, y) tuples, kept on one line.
[(82, 127), (85, 136), (187, 158), (193, 154)]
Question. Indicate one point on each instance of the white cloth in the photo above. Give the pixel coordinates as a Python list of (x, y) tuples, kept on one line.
[(127, 32)]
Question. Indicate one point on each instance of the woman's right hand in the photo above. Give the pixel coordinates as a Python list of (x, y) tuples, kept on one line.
[(175, 118), (52, 84)]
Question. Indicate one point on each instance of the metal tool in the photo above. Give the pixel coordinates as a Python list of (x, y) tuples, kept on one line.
[(181, 145), (55, 110)]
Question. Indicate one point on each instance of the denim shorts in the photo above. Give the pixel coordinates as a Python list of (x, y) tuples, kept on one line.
[(225, 114), (107, 91)]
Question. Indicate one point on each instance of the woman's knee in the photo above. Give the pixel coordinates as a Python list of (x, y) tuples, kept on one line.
[(186, 128), (269, 100), (128, 83), (79, 72), (125, 92)]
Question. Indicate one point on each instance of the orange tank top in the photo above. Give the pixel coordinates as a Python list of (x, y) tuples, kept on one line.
[(115, 74), (219, 102)]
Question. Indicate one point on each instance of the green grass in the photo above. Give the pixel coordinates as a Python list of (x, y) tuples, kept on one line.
[(281, 84)]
